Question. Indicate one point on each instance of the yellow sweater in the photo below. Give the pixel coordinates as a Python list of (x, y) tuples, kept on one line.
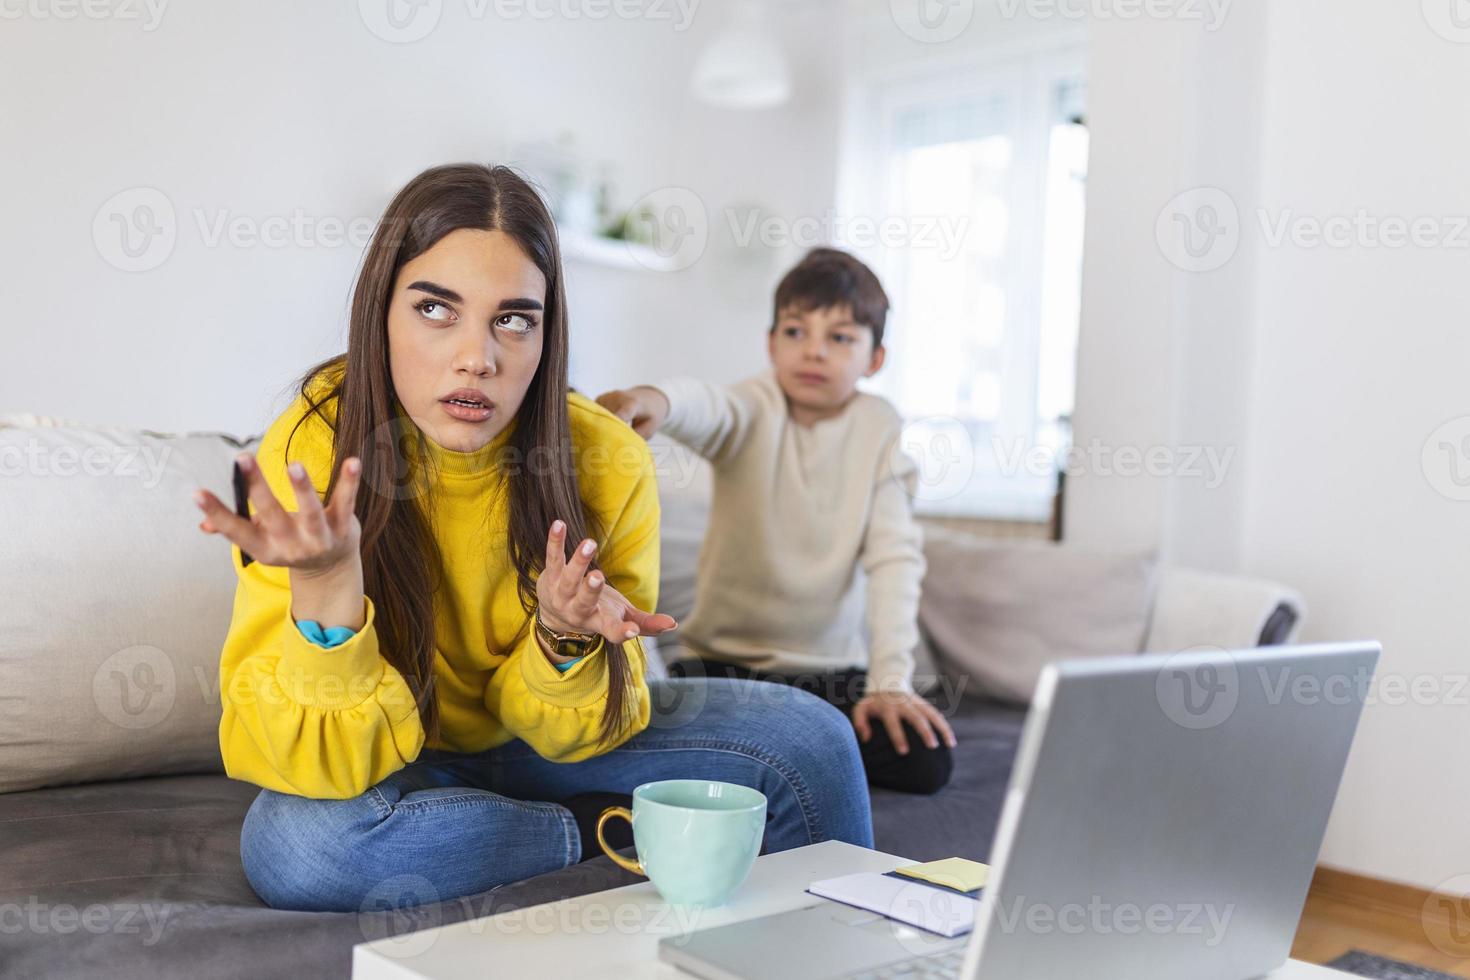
[(328, 723)]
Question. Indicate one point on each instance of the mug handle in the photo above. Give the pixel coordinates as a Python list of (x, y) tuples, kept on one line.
[(610, 813)]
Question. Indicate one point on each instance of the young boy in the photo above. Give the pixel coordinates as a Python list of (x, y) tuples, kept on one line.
[(811, 485)]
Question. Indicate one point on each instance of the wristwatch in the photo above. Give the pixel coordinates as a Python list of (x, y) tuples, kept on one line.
[(567, 644)]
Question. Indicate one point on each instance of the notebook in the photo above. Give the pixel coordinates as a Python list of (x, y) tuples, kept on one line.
[(936, 909)]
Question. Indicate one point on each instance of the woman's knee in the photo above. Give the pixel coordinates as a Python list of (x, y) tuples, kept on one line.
[(296, 851), (815, 725), (379, 849), (817, 740), (793, 731), (760, 711)]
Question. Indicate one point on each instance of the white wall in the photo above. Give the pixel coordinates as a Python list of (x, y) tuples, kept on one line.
[(272, 108), (1126, 342), (1164, 354), (1327, 369), (1362, 356)]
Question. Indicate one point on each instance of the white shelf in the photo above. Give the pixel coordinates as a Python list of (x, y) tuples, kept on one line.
[(577, 246)]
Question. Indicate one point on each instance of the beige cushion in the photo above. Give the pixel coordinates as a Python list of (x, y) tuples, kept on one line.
[(997, 612), (115, 605), (685, 486)]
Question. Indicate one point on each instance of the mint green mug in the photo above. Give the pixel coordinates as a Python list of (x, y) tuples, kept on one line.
[(696, 838)]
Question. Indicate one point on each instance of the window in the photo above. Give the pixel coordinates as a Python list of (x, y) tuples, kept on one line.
[(977, 177)]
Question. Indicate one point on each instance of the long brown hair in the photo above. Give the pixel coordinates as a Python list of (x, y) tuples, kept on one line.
[(401, 558)]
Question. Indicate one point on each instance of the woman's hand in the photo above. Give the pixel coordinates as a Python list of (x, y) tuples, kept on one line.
[(570, 600), (893, 708), (643, 407), (314, 541)]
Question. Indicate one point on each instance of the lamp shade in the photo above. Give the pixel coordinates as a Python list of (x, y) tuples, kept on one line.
[(744, 67)]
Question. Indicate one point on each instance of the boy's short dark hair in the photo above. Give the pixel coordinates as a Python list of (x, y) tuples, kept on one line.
[(831, 277)]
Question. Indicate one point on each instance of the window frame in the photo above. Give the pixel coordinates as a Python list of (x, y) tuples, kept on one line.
[(1033, 73)]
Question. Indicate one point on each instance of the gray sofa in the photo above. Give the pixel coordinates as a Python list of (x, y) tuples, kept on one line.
[(119, 841)]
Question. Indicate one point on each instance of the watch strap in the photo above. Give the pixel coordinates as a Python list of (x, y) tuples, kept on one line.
[(569, 644)]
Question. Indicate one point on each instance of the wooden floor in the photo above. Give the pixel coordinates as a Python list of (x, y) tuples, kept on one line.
[(1345, 912)]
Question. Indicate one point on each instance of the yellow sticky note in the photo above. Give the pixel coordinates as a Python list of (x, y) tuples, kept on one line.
[(959, 873)]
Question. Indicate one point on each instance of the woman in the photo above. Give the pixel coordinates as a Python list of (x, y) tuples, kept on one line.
[(422, 677)]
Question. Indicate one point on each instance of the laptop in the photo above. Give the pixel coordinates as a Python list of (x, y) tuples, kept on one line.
[(1163, 820)]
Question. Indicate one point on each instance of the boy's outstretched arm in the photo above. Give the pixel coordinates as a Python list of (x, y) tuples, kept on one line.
[(710, 419), (893, 558)]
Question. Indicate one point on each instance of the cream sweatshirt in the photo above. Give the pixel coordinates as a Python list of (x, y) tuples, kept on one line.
[(811, 533)]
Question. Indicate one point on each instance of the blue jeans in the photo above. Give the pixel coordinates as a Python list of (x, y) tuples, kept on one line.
[(465, 823)]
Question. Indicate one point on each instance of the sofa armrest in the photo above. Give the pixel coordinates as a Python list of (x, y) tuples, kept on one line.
[(1199, 608)]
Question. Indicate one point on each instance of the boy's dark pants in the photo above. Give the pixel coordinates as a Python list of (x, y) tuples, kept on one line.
[(923, 770)]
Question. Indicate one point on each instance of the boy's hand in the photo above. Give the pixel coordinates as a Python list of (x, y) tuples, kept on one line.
[(643, 407), (893, 708)]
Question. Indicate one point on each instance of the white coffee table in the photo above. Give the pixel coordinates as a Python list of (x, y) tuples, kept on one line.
[(614, 934)]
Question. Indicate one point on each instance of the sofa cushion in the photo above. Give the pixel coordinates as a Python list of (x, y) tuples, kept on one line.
[(142, 878), (996, 612), (115, 603)]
